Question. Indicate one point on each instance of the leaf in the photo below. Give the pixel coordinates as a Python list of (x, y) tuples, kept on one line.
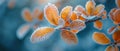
[(116, 35), (66, 13), (111, 13), (111, 30), (100, 38), (37, 14), (69, 37), (74, 16), (11, 4), (58, 3), (51, 14), (74, 31), (111, 48), (116, 17), (82, 18), (117, 3), (41, 34), (67, 24), (99, 9), (41, 16), (90, 6), (77, 25), (104, 14), (80, 10), (26, 14), (22, 31), (118, 42), (98, 24)]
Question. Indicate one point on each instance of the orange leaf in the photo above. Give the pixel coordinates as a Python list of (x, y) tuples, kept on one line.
[(74, 31), (82, 18), (117, 3), (27, 16), (41, 16), (51, 14), (41, 34), (98, 24), (77, 25), (100, 38), (116, 35), (112, 29), (73, 16), (111, 14), (36, 12), (116, 16), (80, 10), (111, 48), (66, 13), (69, 37), (90, 6), (99, 9)]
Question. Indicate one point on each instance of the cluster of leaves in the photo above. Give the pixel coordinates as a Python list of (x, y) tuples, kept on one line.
[(29, 17), (102, 39), (69, 21), (33, 18)]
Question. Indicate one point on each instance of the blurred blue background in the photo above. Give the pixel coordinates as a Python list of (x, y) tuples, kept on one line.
[(11, 19)]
